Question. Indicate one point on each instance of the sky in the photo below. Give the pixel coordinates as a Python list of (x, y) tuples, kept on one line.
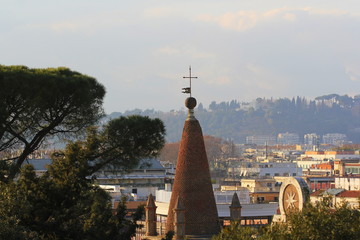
[(141, 49)]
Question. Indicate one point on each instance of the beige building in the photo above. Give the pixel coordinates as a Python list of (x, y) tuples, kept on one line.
[(337, 196), (262, 189), (330, 155)]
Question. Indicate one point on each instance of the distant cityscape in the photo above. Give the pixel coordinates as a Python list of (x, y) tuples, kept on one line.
[(310, 140)]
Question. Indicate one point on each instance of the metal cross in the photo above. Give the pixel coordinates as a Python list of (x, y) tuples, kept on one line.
[(188, 89)]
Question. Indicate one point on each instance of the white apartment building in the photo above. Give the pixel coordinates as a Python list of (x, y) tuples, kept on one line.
[(288, 138), (311, 139), (269, 169), (348, 183), (334, 138)]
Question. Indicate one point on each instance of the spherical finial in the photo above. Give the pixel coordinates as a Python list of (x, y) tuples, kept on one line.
[(190, 103)]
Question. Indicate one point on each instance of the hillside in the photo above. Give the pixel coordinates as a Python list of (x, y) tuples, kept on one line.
[(235, 120)]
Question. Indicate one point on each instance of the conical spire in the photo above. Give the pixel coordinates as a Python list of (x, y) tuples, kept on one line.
[(150, 212), (235, 201), (235, 208), (192, 181), (150, 201)]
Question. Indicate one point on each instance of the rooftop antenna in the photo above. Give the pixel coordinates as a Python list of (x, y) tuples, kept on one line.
[(188, 89), (266, 150)]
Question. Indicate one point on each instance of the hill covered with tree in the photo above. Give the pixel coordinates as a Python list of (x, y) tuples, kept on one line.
[(235, 120)]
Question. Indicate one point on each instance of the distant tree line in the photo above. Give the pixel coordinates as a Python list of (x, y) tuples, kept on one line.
[(235, 120)]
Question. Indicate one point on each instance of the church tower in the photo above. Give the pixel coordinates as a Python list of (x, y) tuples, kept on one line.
[(192, 182)]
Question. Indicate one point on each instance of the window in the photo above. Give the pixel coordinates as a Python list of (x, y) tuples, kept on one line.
[(269, 184)]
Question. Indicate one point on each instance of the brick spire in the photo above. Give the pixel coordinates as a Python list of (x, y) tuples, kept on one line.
[(193, 183)]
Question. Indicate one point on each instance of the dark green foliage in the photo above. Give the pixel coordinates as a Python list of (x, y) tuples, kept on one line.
[(169, 235), (320, 221), (121, 143), (62, 204), (237, 232), (39, 103), (128, 226)]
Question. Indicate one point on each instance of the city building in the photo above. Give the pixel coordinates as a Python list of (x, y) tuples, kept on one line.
[(337, 197), (261, 140), (288, 138), (312, 139), (334, 138), (262, 190), (330, 155), (147, 177), (319, 183), (266, 169), (348, 183), (316, 167)]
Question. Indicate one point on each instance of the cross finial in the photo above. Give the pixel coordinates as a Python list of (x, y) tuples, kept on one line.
[(188, 89)]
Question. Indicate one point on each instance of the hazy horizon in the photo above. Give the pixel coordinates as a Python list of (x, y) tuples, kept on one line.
[(206, 105)]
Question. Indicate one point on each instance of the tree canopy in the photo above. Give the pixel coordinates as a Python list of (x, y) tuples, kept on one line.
[(62, 205), (319, 221), (119, 144), (36, 104)]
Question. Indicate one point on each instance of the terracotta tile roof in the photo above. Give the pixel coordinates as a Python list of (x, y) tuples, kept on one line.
[(349, 194), (317, 193)]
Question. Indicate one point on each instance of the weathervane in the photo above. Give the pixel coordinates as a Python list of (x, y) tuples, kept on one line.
[(188, 89)]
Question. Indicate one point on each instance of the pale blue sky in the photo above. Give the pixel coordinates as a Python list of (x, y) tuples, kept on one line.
[(141, 49)]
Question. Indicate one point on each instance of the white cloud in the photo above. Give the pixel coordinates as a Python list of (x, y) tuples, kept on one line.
[(240, 21), (245, 20)]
